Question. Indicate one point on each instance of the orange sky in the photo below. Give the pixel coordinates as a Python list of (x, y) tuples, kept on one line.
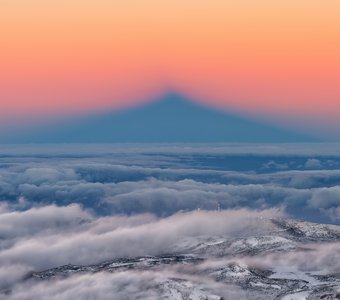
[(277, 60)]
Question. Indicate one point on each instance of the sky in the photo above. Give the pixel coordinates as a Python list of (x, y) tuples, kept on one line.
[(277, 61)]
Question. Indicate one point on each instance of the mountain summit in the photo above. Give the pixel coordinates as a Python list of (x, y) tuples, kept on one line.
[(171, 119)]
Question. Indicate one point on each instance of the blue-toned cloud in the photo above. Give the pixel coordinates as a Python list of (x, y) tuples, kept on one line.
[(87, 204), (162, 181)]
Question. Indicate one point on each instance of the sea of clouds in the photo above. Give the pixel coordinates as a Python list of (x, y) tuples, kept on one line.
[(89, 203), (130, 180)]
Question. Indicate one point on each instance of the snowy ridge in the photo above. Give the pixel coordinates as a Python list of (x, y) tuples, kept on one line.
[(259, 266)]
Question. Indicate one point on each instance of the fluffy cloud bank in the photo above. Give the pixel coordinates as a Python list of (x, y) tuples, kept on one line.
[(52, 236), (163, 181), (165, 192), (84, 208)]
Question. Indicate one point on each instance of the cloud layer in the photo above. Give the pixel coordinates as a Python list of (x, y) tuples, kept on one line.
[(162, 182), (61, 206)]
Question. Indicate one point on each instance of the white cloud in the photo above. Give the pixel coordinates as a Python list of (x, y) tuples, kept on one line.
[(313, 163), (55, 236), (84, 205)]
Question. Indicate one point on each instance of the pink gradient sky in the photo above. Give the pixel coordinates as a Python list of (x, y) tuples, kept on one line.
[(278, 61)]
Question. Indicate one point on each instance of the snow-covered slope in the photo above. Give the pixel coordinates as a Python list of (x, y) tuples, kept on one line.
[(296, 260)]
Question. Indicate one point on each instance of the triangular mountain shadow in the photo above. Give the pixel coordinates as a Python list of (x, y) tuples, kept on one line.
[(170, 119)]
